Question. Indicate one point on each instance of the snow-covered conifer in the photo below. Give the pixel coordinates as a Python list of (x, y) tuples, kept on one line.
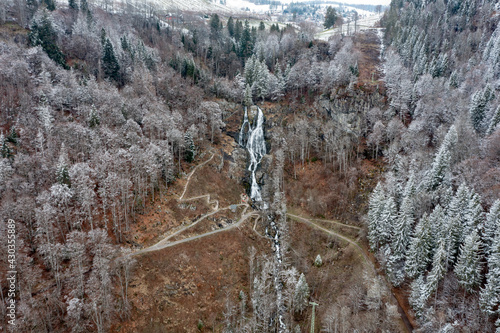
[(441, 163), (468, 267), (301, 294), (419, 252), (491, 225)]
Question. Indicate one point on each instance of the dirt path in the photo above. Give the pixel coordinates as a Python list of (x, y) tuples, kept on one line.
[(165, 242), (333, 233), (338, 223), (368, 260)]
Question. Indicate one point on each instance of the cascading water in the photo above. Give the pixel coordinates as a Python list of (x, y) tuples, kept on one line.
[(256, 147)]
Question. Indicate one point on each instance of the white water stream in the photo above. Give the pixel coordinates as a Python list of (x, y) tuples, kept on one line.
[(256, 147)]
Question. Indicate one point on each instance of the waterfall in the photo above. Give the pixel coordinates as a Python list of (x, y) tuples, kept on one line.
[(242, 130), (256, 147)]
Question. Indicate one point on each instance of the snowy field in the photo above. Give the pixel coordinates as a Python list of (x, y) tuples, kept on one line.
[(364, 23), (192, 5)]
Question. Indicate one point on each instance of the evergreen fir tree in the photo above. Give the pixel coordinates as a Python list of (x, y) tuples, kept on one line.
[(457, 220), (495, 120), (441, 164), (214, 26), (402, 229), (388, 221), (72, 4), (238, 29), (103, 37), (260, 84), (474, 214), (438, 222), (84, 6), (489, 295), (248, 96), (420, 249), (468, 267), (12, 136), (190, 147), (491, 225), (5, 150), (43, 34), (478, 107), (51, 4), (330, 17), (250, 70), (230, 26), (94, 119), (375, 210), (246, 44), (419, 295), (439, 268), (301, 294), (62, 168), (395, 265), (110, 65)]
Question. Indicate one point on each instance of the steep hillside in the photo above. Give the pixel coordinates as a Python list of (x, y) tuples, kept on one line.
[(434, 221)]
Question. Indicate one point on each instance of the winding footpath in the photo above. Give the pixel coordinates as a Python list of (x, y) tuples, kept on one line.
[(333, 233), (165, 242)]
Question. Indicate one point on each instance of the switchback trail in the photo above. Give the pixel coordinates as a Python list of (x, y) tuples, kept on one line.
[(165, 242)]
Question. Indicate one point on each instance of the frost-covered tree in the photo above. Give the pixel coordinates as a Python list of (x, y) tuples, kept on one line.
[(248, 101), (5, 151), (375, 211), (489, 296), (94, 119), (491, 226), (419, 295), (439, 172), (495, 120), (468, 267), (318, 262), (301, 294), (43, 34), (478, 108), (457, 220), (419, 252), (62, 168), (403, 227), (439, 268)]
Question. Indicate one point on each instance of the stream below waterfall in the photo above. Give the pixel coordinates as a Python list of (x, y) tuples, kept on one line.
[(256, 147)]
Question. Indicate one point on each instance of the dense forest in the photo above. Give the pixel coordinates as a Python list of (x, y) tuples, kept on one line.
[(434, 220), (105, 109)]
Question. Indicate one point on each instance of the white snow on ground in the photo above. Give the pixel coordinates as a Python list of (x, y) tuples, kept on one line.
[(243, 5), (364, 23), (191, 5)]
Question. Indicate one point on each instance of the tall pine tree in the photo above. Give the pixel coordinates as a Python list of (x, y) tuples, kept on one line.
[(110, 65), (43, 34), (375, 210), (419, 252), (491, 225), (468, 267), (441, 164)]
